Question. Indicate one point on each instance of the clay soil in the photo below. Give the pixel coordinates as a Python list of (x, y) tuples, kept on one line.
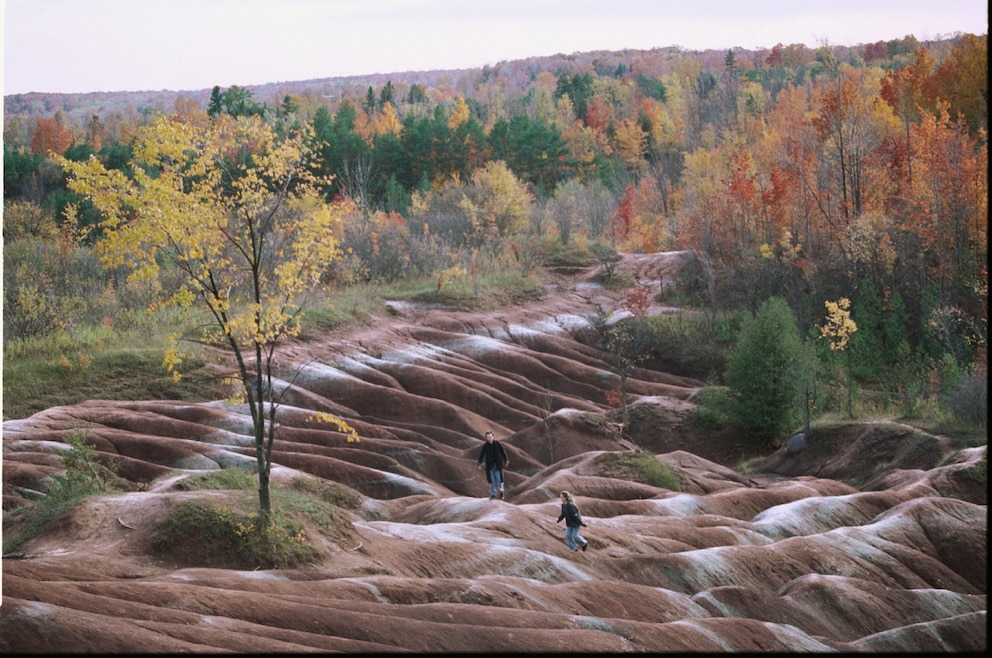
[(871, 537)]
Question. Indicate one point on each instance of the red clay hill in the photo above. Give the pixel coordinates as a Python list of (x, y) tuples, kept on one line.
[(851, 544)]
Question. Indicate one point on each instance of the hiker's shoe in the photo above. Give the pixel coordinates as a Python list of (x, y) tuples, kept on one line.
[(491, 497), (501, 495), (585, 546)]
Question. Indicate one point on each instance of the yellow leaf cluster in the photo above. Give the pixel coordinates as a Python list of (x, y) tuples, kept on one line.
[(339, 424), (839, 326), (459, 114), (631, 143), (232, 206)]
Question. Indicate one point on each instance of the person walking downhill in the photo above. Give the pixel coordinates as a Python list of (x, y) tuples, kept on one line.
[(573, 521), (496, 459)]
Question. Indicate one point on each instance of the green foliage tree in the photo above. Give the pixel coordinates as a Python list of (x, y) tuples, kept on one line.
[(417, 94), (369, 104), (236, 101), (762, 373), (578, 88), (651, 87), (215, 105), (387, 95), (235, 210), (533, 149), (19, 166)]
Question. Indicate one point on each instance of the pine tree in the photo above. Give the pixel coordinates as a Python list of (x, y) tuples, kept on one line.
[(762, 373)]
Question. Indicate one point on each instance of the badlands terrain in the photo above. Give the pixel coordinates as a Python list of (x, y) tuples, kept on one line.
[(849, 543)]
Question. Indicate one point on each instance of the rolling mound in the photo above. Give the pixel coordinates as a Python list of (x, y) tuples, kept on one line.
[(871, 537)]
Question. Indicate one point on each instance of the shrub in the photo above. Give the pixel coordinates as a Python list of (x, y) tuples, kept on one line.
[(84, 476), (714, 409), (231, 479), (640, 466), (203, 535), (685, 344), (969, 400)]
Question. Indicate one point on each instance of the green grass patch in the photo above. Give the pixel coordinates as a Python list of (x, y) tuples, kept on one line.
[(203, 535), (572, 254), (227, 479), (640, 466), (345, 306), (103, 363), (615, 281), (107, 373), (978, 474), (235, 536), (84, 476), (24, 523), (493, 290), (328, 492), (303, 506)]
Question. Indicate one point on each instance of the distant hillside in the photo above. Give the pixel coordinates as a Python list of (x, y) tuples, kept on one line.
[(76, 105), (516, 76)]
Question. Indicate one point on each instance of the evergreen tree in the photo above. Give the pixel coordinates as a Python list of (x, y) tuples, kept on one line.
[(215, 106), (369, 104), (762, 373), (387, 95)]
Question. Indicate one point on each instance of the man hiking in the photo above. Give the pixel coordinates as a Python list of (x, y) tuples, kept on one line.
[(495, 457)]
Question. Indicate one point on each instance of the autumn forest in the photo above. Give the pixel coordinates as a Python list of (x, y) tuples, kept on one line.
[(855, 176)]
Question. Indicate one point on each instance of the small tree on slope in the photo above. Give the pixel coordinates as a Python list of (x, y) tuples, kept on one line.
[(232, 208)]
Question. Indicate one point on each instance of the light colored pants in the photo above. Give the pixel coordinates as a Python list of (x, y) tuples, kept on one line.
[(495, 481), (572, 537)]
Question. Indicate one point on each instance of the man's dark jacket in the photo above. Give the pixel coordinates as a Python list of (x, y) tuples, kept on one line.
[(495, 455)]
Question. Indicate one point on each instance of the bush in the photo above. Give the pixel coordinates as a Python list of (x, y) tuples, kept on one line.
[(199, 534), (228, 479), (84, 477), (641, 467), (684, 344), (969, 400), (715, 403)]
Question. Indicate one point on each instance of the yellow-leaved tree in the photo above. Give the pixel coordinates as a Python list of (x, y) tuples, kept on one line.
[(838, 329), (234, 209)]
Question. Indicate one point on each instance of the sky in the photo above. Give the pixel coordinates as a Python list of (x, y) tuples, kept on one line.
[(75, 46)]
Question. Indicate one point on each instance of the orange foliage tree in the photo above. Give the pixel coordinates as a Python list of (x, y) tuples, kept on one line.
[(51, 136), (948, 201)]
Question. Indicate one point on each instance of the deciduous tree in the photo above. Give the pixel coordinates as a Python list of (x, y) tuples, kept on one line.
[(51, 136), (233, 209), (838, 329)]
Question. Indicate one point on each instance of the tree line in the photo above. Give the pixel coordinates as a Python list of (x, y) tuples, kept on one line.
[(810, 175)]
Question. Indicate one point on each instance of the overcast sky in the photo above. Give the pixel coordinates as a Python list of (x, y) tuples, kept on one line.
[(131, 45)]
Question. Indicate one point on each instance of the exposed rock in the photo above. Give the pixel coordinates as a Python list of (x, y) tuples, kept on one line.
[(853, 544)]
